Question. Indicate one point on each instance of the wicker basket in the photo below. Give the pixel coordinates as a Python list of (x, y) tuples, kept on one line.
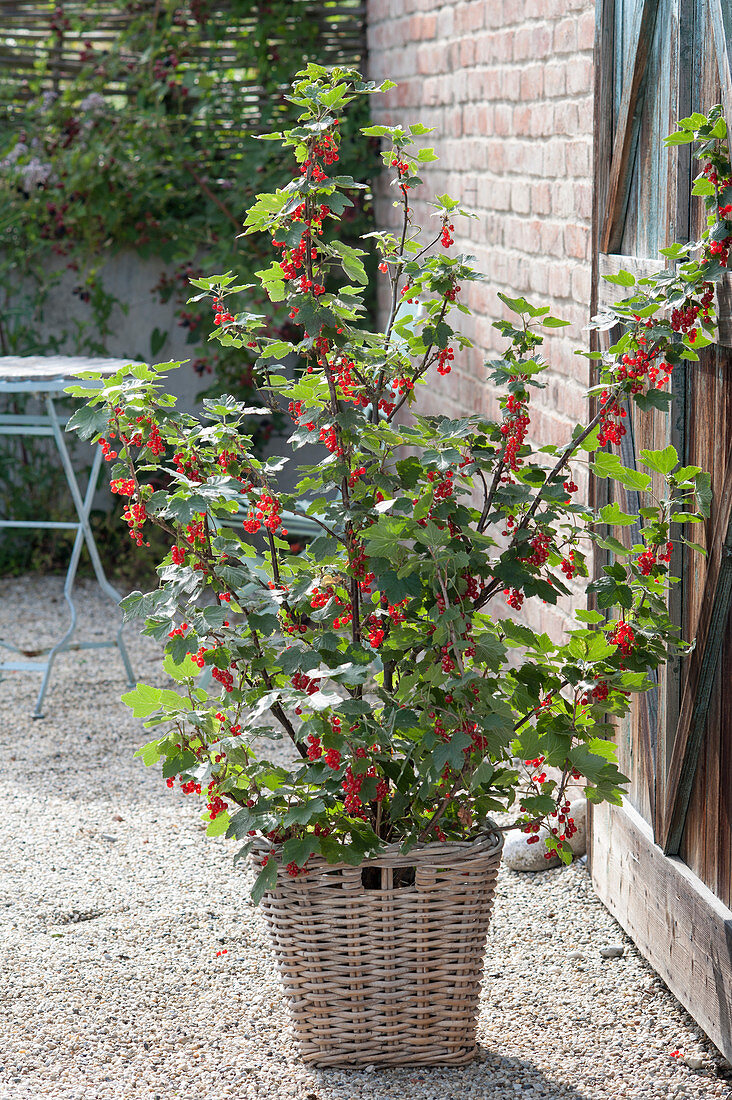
[(381, 963)]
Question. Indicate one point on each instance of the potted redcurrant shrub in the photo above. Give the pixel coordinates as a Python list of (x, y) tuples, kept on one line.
[(356, 712)]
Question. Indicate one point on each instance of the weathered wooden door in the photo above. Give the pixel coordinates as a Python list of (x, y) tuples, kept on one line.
[(663, 862)]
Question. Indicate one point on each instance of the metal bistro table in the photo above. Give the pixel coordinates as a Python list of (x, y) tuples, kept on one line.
[(46, 377)]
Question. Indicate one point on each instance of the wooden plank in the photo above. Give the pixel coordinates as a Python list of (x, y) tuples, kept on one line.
[(627, 126), (645, 714), (724, 309), (723, 718), (721, 20), (605, 46), (701, 673), (706, 832), (609, 293), (602, 134), (674, 920)]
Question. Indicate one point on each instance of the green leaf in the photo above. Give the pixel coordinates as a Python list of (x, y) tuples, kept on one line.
[(663, 462), (703, 490), (278, 349), (482, 774), (352, 264), (613, 514), (180, 670), (653, 399), (695, 546), (586, 616), (89, 421), (702, 186), (219, 825), (266, 881), (272, 281), (593, 754), (686, 473), (674, 251), (144, 700), (157, 340), (681, 137), (451, 752), (591, 442), (298, 850), (182, 762), (518, 633), (609, 465), (376, 131), (610, 543), (303, 812), (694, 121), (518, 305), (622, 278), (609, 593), (150, 753)]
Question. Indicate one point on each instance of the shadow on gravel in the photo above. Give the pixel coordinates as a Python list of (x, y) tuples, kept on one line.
[(489, 1077)]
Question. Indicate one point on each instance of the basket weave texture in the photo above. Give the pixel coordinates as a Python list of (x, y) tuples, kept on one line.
[(381, 963)]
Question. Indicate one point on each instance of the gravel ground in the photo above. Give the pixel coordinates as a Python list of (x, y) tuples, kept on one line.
[(113, 906)]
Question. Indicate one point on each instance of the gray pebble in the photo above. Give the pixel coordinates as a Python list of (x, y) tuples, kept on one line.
[(126, 998)]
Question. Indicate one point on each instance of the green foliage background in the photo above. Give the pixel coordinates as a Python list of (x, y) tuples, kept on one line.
[(147, 142)]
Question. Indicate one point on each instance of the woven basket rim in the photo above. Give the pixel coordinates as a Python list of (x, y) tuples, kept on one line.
[(441, 853)]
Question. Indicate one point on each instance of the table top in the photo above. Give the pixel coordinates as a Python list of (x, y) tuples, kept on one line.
[(47, 373)]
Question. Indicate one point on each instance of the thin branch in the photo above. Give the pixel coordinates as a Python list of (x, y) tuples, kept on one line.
[(421, 369), (437, 815), (397, 273), (326, 528), (493, 489), (563, 460)]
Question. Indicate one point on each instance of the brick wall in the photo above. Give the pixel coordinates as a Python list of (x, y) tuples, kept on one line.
[(507, 84)]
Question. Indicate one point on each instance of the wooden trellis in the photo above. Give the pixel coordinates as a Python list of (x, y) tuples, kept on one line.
[(663, 862), (41, 50)]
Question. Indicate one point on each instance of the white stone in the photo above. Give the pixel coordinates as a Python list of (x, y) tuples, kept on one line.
[(96, 1024), (612, 951), (578, 813), (519, 855)]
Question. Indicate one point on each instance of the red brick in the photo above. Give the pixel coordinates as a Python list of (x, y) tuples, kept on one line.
[(470, 17), (522, 122), (511, 84), (532, 82), (566, 118), (508, 84), (586, 30), (555, 79), (467, 52), (446, 21), (579, 76), (579, 157), (565, 36), (422, 28), (502, 120), (521, 199), (541, 198), (532, 43)]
